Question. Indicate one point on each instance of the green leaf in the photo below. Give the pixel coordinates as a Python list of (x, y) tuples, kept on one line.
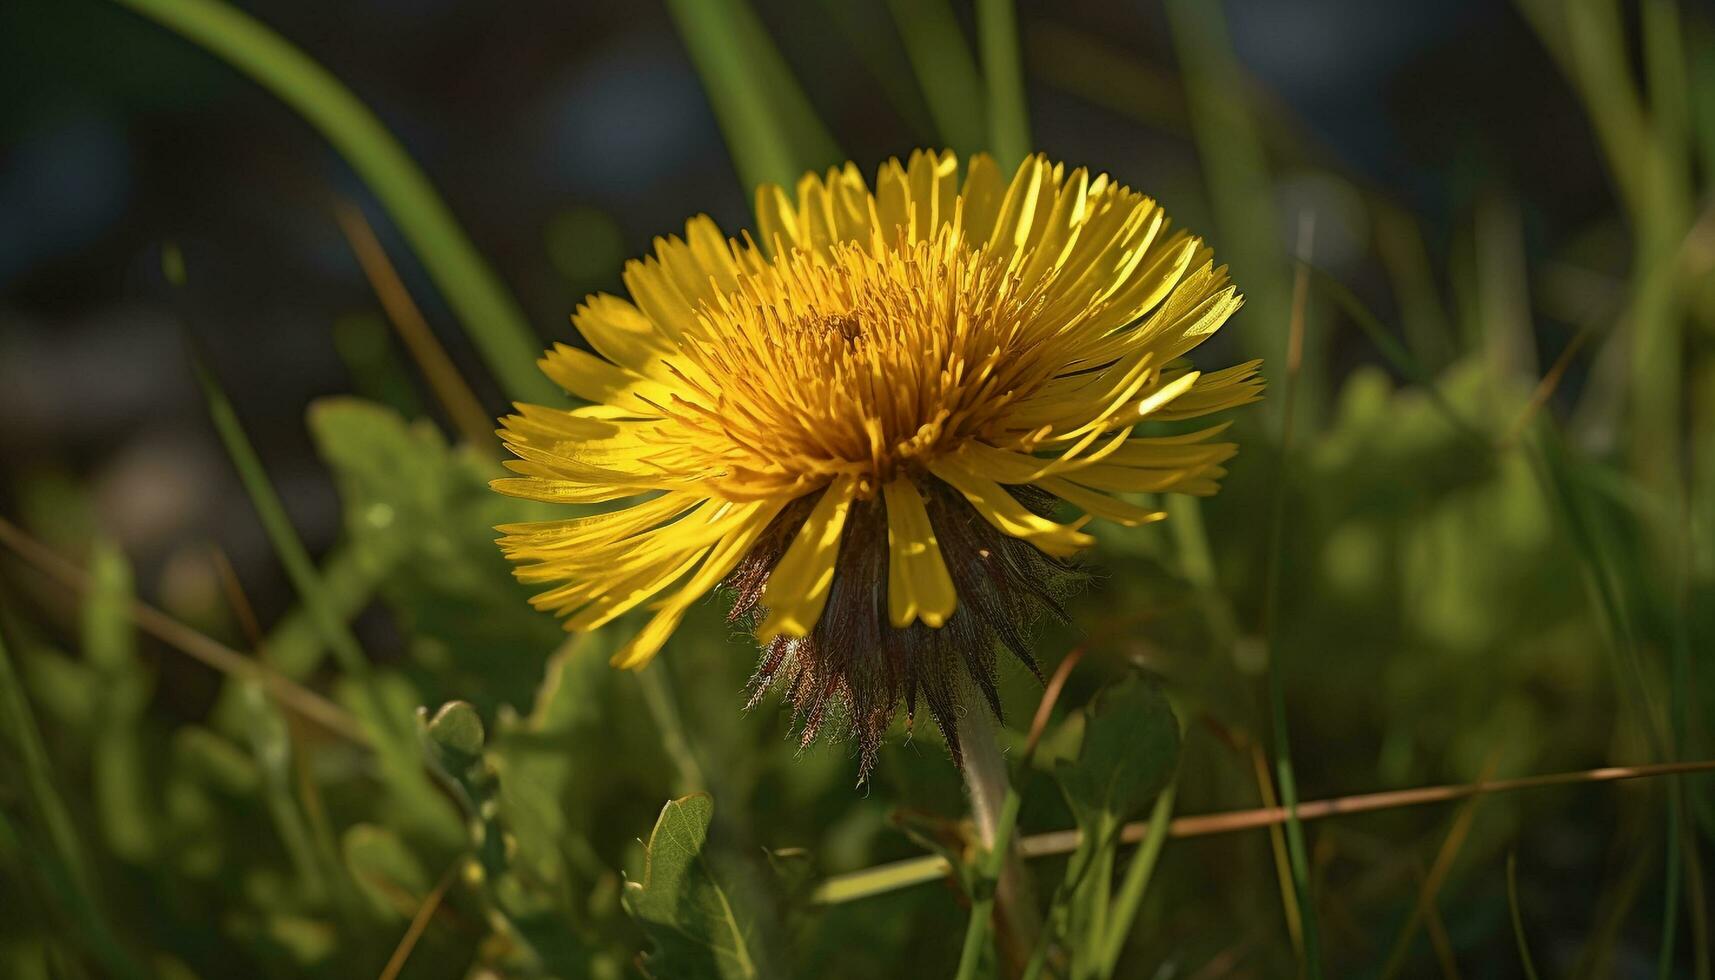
[(526, 898), (453, 738), (941, 60), (1131, 743), (685, 906), (420, 514), (120, 768), (1003, 70)]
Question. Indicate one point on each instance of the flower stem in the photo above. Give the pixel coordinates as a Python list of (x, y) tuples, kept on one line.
[(985, 772), (994, 810)]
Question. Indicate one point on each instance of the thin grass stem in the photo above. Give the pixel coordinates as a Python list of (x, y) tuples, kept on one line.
[(489, 314)]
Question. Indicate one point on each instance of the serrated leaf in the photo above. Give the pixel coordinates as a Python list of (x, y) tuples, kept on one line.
[(685, 906), (420, 511), (525, 897), (1131, 744)]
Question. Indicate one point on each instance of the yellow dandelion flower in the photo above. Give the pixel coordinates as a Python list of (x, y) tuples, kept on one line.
[(870, 421)]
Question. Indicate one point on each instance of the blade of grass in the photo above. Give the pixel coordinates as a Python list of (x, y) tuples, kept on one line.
[(271, 746), (1597, 959), (771, 130), (1544, 389), (1432, 882), (1003, 78), (1679, 666), (946, 72), (915, 871), (1282, 862), (1284, 774), (1399, 246), (490, 315), (124, 795), (1236, 176), (1595, 539), (1395, 353), (1137, 877), (188, 641), (1197, 565), (278, 525), (1702, 88), (1436, 928), (419, 923), (1050, 696), (1672, 884), (866, 28), (38, 775), (394, 736), (1667, 78), (664, 709), (1697, 902), (1499, 283), (982, 905), (78, 887), (442, 375), (263, 719), (1650, 169), (1107, 75), (1526, 961)]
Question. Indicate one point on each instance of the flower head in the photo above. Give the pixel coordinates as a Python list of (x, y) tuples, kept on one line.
[(870, 424)]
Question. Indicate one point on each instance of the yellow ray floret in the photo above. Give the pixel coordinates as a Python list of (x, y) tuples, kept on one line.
[(965, 331)]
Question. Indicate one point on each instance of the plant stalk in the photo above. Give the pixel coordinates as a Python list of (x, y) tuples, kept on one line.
[(1016, 919)]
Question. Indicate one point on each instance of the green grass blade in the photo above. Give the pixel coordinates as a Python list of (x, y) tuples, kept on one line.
[(1526, 961), (124, 791), (946, 71), (889, 67), (349, 578), (1281, 734), (1666, 71), (393, 730), (1396, 354), (1003, 76), (1136, 882), (38, 774), (490, 315), (1673, 884), (1702, 73), (1236, 178), (982, 907), (300, 568), (1646, 149), (67, 869), (1679, 666), (770, 127), (1403, 254)]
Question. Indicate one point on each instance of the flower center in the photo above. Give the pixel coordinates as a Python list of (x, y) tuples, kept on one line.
[(861, 362)]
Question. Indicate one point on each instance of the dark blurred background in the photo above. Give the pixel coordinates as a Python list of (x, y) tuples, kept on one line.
[(565, 135)]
